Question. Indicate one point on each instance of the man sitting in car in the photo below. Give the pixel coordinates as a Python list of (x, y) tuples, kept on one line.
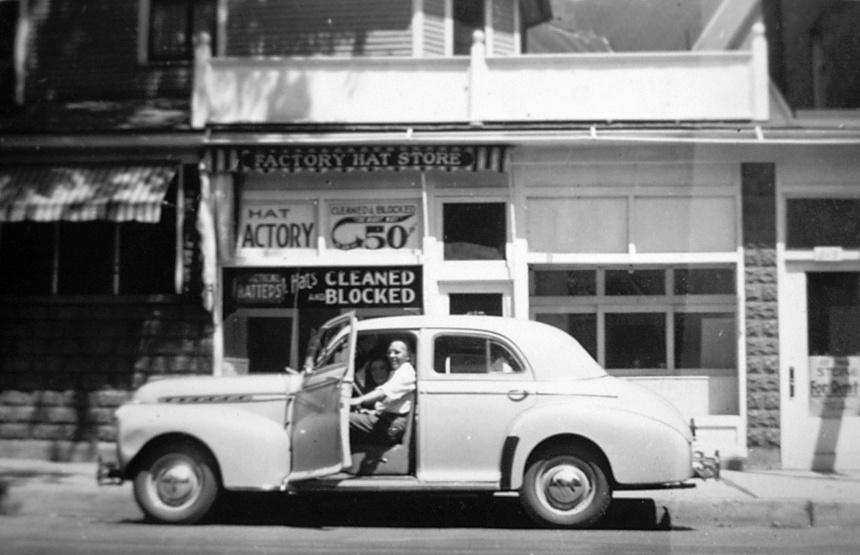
[(391, 401)]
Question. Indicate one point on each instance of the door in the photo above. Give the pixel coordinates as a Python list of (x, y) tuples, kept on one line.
[(471, 389), (819, 315), (318, 412)]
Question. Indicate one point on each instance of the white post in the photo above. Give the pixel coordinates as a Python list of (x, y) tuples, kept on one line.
[(761, 75), (200, 92), (478, 77)]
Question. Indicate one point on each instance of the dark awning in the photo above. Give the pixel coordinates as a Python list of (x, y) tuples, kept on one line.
[(77, 194)]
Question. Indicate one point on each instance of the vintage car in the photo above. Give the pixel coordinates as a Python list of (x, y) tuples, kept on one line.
[(502, 405)]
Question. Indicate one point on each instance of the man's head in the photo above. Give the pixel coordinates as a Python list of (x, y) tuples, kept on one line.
[(398, 353)]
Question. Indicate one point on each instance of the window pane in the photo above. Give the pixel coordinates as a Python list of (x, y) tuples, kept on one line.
[(710, 281), (636, 340), (705, 340), (582, 327), (147, 255), (483, 304), (474, 231), (601, 26), (168, 30), (635, 282), (823, 222), (560, 283), (834, 313), (26, 258), (86, 258), (269, 344)]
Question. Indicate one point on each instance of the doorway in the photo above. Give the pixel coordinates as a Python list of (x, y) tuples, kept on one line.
[(819, 314)]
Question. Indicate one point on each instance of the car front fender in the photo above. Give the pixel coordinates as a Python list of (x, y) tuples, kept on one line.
[(640, 450), (252, 451)]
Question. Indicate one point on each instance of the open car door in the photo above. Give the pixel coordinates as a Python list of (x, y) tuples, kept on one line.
[(318, 418)]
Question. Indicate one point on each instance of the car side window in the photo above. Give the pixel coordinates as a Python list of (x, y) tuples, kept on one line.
[(465, 354)]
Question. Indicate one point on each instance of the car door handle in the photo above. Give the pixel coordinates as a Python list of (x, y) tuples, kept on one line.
[(517, 394)]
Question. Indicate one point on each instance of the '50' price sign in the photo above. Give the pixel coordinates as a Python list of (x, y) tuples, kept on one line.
[(375, 226)]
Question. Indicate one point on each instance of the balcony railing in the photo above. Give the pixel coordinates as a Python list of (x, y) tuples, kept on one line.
[(643, 87)]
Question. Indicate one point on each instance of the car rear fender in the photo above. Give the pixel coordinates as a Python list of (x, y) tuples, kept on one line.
[(638, 449), (252, 451)]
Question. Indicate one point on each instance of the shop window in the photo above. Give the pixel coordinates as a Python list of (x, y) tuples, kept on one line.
[(473, 355), (173, 24), (814, 52), (635, 340), (705, 340), (713, 281), (474, 231), (582, 327), (834, 313), (635, 282), (88, 258), (26, 258), (561, 283), (643, 321), (823, 223)]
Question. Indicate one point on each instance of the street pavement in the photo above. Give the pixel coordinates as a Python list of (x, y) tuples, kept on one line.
[(766, 498)]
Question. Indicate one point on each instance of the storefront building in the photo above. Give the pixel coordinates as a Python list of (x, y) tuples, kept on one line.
[(677, 190)]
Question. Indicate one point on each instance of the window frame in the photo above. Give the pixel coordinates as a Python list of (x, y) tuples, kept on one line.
[(524, 374), (668, 304), (144, 19)]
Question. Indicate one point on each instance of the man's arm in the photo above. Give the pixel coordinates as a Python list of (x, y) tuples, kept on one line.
[(368, 398)]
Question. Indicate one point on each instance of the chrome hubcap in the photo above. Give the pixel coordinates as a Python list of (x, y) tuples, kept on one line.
[(565, 487), (177, 483)]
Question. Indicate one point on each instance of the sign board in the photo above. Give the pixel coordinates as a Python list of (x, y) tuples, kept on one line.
[(369, 158), (833, 386), (276, 225), (329, 287), (375, 225)]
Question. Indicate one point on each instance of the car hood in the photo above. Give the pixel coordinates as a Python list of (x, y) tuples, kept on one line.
[(229, 387)]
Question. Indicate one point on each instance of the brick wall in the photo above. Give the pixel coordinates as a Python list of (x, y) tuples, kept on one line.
[(66, 365), (762, 336)]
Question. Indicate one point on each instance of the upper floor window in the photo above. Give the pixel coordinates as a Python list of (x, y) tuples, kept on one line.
[(468, 16), (559, 26), (474, 230), (815, 52), (173, 24)]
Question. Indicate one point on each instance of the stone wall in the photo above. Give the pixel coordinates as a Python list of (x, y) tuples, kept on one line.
[(66, 365), (761, 315)]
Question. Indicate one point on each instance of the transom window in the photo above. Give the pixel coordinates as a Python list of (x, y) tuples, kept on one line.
[(823, 222), (658, 319), (173, 24)]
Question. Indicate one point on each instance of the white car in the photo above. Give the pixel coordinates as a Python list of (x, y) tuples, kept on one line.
[(501, 405)]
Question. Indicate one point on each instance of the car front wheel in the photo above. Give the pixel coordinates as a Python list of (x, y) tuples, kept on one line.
[(565, 488), (177, 484)]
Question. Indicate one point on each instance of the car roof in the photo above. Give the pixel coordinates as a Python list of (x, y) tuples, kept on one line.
[(552, 353)]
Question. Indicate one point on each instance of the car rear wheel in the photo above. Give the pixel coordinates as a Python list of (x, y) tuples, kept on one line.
[(566, 488), (177, 484)]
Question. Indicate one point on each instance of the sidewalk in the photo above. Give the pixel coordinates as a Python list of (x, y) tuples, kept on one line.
[(791, 499)]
